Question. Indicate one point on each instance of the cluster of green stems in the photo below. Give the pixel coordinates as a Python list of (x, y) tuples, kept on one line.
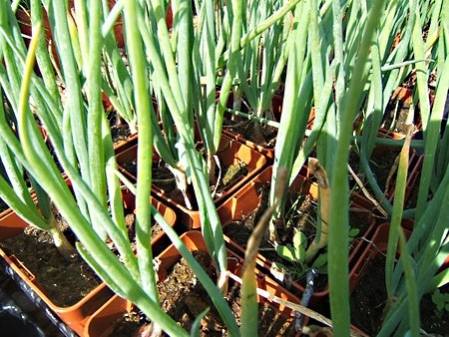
[(339, 59)]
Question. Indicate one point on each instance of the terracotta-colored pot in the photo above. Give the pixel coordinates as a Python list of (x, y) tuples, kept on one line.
[(169, 16), (122, 146), (101, 324), (379, 245), (160, 241), (267, 151), (414, 168), (24, 20), (230, 152), (245, 201), (75, 315)]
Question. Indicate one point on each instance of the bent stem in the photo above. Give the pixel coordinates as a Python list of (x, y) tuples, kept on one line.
[(181, 184), (212, 168), (249, 317), (60, 241)]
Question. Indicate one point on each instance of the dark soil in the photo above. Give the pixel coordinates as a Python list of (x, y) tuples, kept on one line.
[(183, 297), (130, 325), (301, 215), (164, 179), (130, 167), (120, 131), (255, 132), (398, 108), (369, 298), (3, 206), (395, 118), (381, 162), (240, 231), (130, 219), (266, 137), (65, 282), (413, 197), (433, 321)]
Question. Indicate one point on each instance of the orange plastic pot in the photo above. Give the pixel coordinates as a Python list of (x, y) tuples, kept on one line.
[(267, 151), (75, 315), (245, 201), (414, 167), (230, 152), (405, 94), (122, 146), (159, 241), (378, 245), (101, 324)]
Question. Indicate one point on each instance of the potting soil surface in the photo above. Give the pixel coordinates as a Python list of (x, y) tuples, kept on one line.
[(65, 282), (3, 206), (164, 179), (130, 219), (300, 214), (369, 298), (381, 163), (119, 130), (183, 298), (260, 134)]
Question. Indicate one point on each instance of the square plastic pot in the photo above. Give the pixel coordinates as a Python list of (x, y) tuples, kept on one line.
[(244, 202), (230, 152), (101, 324)]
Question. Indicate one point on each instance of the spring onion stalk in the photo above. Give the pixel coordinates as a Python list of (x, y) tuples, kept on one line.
[(343, 58), (395, 225), (426, 243), (338, 228), (144, 152), (426, 264), (295, 108), (263, 62), (432, 131), (396, 236), (408, 27), (321, 239), (249, 319), (164, 68)]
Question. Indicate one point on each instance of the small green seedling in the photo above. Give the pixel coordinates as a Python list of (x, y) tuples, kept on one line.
[(296, 252), (441, 301)]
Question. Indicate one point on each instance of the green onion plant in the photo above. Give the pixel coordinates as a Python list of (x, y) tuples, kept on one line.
[(82, 149)]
